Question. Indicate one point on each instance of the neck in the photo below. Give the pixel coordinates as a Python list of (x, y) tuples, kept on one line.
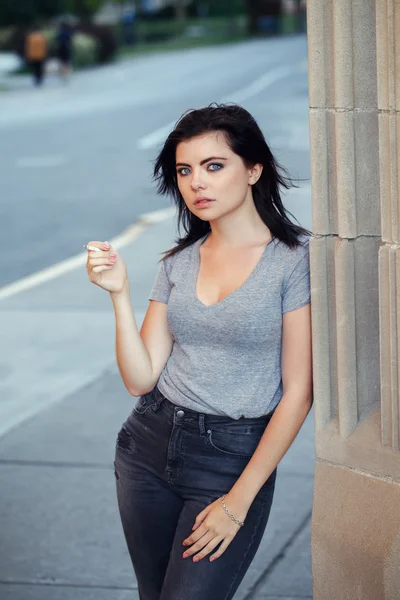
[(242, 227)]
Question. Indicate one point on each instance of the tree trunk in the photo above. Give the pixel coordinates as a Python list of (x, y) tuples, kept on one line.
[(258, 8), (180, 10), (253, 9)]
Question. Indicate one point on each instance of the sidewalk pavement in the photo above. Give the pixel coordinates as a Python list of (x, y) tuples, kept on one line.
[(61, 534)]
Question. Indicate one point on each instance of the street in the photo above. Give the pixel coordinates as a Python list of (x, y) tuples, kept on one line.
[(76, 165)]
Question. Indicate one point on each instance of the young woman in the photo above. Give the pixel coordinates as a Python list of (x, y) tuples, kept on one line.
[(221, 366)]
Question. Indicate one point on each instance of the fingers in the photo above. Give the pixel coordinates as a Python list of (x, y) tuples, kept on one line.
[(98, 264), (201, 516), (101, 246), (194, 537), (95, 258), (221, 549), (203, 542), (209, 548), (100, 257), (101, 268), (100, 260)]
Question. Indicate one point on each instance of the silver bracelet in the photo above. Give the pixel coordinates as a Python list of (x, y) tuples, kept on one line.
[(230, 515)]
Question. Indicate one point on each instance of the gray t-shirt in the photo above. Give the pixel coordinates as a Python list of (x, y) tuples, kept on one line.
[(226, 358)]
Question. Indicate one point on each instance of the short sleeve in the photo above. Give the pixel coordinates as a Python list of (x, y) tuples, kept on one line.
[(297, 292), (162, 286)]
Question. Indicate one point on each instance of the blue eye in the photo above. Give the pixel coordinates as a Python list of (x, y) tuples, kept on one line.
[(217, 165), (182, 169)]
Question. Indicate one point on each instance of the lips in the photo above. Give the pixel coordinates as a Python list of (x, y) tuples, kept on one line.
[(203, 201)]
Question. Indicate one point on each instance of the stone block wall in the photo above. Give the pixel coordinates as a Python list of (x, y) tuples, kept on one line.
[(354, 94)]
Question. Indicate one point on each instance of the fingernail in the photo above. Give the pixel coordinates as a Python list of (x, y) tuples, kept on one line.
[(184, 555), (106, 245), (113, 255), (196, 559)]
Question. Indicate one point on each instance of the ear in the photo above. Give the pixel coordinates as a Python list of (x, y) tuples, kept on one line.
[(255, 173)]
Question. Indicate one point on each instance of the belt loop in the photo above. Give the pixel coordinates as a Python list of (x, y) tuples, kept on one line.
[(201, 424), (158, 396)]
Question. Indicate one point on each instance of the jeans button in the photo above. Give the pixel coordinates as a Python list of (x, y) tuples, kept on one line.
[(180, 414)]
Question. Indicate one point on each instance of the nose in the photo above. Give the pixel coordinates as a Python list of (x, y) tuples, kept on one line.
[(197, 186), (197, 183)]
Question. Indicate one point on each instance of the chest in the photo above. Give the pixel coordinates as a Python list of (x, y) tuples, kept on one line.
[(221, 274)]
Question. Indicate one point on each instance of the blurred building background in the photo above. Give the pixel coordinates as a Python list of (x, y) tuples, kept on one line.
[(107, 29)]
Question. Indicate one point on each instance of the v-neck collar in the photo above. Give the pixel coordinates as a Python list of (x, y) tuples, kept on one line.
[(196, 271)]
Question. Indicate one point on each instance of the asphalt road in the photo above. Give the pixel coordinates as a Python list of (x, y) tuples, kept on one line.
[(76, 159)]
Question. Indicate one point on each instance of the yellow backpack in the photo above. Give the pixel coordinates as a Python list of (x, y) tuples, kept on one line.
[(35, 46)]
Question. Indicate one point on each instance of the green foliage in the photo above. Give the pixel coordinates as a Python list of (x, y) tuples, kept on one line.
[(200, 8), (85, 50), (25, 12), (224, 8), (83, 8)]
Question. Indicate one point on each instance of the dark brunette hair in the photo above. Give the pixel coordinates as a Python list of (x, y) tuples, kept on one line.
[(245, 139)]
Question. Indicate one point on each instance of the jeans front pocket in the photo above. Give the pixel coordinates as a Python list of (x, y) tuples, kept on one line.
[(234, 444)]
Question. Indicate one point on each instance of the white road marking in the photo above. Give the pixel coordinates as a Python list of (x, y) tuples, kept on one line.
[(125, 238), (153, 139), (261, 84), (40, 162), (157, 137)]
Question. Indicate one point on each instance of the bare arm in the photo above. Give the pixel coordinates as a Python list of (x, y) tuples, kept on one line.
[(289, 415), (141, 356)]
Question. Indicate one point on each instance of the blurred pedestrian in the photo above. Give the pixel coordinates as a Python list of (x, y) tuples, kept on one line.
[(36, 49), (64, 41), (222, 364), (128, 23)]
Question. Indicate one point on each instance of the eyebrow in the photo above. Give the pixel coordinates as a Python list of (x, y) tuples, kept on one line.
[(203, 161)]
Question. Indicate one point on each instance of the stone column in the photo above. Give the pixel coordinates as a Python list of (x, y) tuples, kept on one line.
[(354, 82)]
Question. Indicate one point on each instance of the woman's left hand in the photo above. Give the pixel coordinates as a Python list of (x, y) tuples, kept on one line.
[(211, 527)]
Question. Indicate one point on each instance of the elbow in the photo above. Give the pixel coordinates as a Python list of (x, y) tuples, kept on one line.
[(136, 392), (309, 403), (308, 399), (136, 389)]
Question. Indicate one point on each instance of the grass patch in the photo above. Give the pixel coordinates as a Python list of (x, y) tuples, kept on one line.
[(178, 44), (163, 36), (174, 28), (160, 36)]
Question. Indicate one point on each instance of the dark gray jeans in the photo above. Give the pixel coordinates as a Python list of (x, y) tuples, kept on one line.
[(170, 464)]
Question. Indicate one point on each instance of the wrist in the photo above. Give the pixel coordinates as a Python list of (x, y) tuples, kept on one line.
[(239, 521), (124, 293), (238, 504)]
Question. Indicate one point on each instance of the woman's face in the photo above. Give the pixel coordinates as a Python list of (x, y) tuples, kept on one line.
[(212, 179)]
